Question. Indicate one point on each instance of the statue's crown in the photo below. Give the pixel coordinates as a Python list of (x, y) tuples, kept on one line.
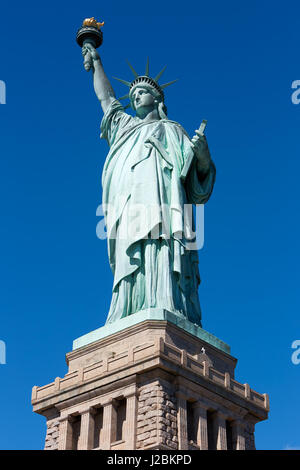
[(145, 80)]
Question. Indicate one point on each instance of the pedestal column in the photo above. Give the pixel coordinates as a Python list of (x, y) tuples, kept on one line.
[(131, 421), (65, 441), (108, 411), (220, 428), (238, 435), (200, 413), (182, 422), (86, 440)]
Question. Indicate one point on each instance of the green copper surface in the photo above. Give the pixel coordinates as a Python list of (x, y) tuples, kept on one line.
[(151, 314), (147, 191)]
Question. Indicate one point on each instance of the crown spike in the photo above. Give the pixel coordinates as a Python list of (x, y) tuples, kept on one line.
[(123, 97), (160, 73), (168, 84), (147, 68), (132, 69), (122, 81)]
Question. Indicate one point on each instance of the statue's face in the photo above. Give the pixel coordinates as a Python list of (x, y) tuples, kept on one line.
[(143, 101)]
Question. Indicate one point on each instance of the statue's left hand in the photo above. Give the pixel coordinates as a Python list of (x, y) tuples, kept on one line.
[(201, 151), (199, 143)]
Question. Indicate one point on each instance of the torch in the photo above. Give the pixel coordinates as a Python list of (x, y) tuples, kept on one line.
[(89, 33)]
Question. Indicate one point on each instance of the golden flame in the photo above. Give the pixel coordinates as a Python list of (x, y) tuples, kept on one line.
[(92, 22)]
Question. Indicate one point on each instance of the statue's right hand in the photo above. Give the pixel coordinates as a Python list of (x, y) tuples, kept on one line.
[(89, 48), (90, 55)]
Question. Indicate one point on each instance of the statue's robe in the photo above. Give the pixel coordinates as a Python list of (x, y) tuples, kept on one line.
[(148, 232)]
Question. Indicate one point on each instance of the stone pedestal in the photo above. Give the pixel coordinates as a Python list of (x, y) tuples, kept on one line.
[(150, 386)]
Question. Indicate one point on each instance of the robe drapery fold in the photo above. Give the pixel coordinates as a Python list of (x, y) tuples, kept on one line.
[(149, 230)]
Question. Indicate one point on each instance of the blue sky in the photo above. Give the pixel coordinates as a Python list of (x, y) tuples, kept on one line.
[(235, 62)]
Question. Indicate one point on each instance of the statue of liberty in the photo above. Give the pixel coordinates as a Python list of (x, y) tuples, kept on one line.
[(153, 266)]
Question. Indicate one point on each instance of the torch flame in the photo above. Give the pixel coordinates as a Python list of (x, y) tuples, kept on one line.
[(92, 22)]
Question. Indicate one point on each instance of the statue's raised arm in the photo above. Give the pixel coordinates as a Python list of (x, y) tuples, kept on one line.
[(89, 37), (102, 85)]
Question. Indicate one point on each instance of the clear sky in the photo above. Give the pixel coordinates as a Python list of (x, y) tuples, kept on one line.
[(235, 62)]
